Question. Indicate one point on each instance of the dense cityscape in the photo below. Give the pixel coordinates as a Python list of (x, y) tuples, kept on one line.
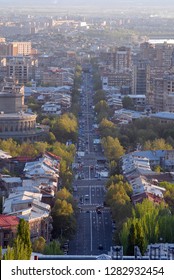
[(86, 130)]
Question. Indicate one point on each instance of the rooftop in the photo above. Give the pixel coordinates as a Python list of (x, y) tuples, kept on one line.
[(8, 221), (163, 115)]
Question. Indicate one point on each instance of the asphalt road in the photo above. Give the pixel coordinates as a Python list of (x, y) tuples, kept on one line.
[(94, 234), (94, 230)]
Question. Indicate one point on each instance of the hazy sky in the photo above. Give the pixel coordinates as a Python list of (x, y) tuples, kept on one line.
[(107, 7), (105, 3)]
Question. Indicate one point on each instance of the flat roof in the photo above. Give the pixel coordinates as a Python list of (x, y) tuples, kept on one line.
[(161, 41), (17, 116), (163, 115)]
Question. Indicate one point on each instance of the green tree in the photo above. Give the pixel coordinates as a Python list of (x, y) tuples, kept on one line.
[(51, 138), (63, 194), (46, 121), (97, 81), (140, 238), (41, 147), (21, 249), (9, 254), (119, 201), (150, 222), (66, 153), (1, 256), (107, 128), (169, 194), (23, 236), (157, 144), (62, 208), (157, 168), (39, 245), (64, 226), (136, 238), (53, 248), (99, 96), (64, 222), (112, 148), (27, 149), (166, 223), (128, 103), (102, 109), (131, 240), (65, 128), (9, 146)]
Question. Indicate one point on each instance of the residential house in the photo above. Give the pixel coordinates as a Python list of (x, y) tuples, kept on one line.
[(28, 206), (8, 229)]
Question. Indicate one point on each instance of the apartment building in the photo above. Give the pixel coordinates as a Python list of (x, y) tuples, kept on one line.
[(141, 78), (118, 59), (18, 68), (163, 93), (19, 48), (122, 59), (116, 79), (28, 206)]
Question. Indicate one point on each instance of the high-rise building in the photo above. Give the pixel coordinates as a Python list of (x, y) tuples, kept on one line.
[(18, 68), (158, 94), (118, 59), (141, 78), (158, 54), (122, 59), (19, 48), (163, 90)]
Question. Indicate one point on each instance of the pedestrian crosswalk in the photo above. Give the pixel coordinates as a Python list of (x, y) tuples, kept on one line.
[(94, 211)]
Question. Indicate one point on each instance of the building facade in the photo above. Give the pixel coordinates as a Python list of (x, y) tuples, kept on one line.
[(19, 48), (8, 229), (15, 122)]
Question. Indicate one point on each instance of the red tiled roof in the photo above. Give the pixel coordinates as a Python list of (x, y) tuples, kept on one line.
[(138, 198), (52, 155), (23, 158), (8, 221)]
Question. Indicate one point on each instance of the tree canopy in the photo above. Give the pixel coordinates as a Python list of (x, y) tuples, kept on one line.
[(113, 150), (128, 103), (63, 214), (157, 144), (65, 128), (149, 223), (107, 128)]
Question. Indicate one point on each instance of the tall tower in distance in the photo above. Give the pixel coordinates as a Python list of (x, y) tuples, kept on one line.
[(141, 78), (122, 59)]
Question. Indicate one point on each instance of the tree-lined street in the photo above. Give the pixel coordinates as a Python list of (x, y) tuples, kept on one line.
[(94, 227)]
